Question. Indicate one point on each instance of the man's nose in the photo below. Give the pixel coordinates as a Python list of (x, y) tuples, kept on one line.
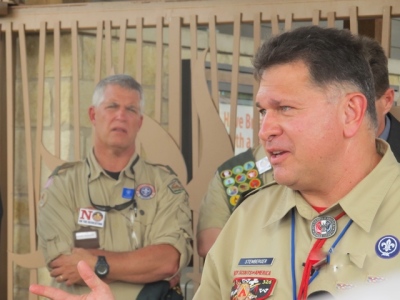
[(269, 126)]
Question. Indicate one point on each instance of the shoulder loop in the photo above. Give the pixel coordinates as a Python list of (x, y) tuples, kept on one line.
[(164, 167), (249, 193), (62, 167)]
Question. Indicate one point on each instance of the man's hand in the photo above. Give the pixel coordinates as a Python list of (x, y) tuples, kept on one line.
[(64, 267), (100, 290)]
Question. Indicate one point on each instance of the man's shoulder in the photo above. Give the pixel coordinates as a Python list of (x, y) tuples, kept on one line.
[(268, 188), (159, 168), (66, 167)]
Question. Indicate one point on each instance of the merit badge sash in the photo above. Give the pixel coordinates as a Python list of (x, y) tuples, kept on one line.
[(239, 174)]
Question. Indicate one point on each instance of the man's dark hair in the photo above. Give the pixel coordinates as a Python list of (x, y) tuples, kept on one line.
[(332, 56), (378, 62)]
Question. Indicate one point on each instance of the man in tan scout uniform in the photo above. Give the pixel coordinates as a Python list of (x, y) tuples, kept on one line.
[(332, 219), (127, 219), (239, 174)]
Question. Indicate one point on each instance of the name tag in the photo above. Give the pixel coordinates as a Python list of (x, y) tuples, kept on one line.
[(256, 261)]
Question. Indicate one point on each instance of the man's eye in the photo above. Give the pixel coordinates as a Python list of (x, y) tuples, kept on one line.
[(111, 106), (285, 108), (133, 109), (263, 112)]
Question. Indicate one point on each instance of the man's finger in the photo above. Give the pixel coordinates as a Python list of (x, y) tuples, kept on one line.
[(49, 292), (88, 275)]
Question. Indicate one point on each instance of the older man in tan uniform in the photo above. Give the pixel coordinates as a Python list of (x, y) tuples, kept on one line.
[(333, 221), (127, 219)]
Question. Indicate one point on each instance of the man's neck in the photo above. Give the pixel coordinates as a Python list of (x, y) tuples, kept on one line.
[(113, 160)]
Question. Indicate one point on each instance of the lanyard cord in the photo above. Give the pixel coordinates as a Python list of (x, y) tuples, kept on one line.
[(306, 280)]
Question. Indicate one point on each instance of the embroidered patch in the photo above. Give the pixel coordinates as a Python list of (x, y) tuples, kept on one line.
[(263, 165), (229, 181), (255, 183), (145, 191), (249, 165), (232, 190), (387, 247), (323, 227), (252, 288), (226, 174), (251, 273), (234, 199), (127, 193), (175, 186), (256, 261)]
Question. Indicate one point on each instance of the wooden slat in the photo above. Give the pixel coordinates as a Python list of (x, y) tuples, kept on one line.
[(316, 17), (10, 156), (28, 148), (354, 19), (122, 46), (75, 90), (139, 49), (257, 43), (39, 112), (386, 28), (108, 46), (213, 60), (99, 48), (275, 24), (331, 19), (288, 22), (174, 81), (235, 77), (195, 117), (159, 70), (57, 90)]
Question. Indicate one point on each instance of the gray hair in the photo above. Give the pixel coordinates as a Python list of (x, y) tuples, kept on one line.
[(122, 80)]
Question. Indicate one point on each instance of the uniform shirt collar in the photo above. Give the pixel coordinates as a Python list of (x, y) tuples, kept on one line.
[(361, 207), (96, 170)]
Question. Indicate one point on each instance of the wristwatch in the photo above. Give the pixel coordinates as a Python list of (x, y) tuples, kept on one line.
[(102, 268)]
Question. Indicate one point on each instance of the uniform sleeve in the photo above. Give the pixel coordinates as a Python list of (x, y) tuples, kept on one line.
[(55, 221), (173, 221), (214, 209), (209, 287)]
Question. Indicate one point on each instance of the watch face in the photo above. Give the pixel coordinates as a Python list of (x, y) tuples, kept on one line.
[(102, 269)]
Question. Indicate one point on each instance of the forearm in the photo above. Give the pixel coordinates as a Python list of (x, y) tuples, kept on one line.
[(148, 264)]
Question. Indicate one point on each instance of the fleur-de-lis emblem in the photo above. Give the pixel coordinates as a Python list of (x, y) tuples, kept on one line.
[(388, 245)]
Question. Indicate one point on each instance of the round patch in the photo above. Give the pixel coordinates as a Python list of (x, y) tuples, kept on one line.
[(249, 165), (255, 183), (232, 190), (243, 187), (229, 181), (387, 246), (252, 174), (240, 178), (226, 174), (145, 191), (323, 227), (234, 199), (237, 170)]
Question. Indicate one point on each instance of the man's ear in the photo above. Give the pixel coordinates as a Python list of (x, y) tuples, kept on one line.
[(387, 100), (92, 114), (355, 107)]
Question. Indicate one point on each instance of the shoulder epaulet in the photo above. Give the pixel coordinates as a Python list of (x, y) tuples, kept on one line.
[(249, 193), (63, 167), (165, 167)]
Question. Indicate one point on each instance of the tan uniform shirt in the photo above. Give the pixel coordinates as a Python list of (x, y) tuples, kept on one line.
[(163, 214), (215, 208), (252, 256)]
